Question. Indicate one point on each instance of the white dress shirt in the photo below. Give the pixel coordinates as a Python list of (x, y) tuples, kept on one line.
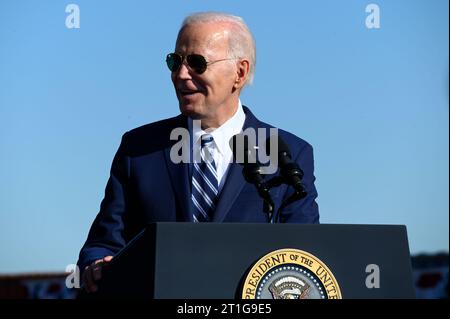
[(220, 149)]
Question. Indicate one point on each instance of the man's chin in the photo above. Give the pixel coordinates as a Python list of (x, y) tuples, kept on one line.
[(189, 111)]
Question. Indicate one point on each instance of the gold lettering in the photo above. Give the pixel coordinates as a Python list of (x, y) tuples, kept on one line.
[(250, 291), (276, 259), (257, 270), (321, 272), (325, 278), (263, 268), (252, 283), (306, 261), (331, 290)]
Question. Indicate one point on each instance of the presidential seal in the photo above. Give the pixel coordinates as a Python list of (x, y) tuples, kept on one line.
[(290, 274)]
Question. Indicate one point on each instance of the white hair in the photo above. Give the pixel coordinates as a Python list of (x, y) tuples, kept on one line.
[(241, 41)]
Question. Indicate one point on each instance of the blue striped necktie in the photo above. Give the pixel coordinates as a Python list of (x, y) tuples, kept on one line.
[(204, 183)]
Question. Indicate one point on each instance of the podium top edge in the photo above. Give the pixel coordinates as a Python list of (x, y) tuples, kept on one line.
[(277, 225)]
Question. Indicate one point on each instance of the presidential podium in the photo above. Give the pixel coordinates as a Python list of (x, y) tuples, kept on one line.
[(233, 261)]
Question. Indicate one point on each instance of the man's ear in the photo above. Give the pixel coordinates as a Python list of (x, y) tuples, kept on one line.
[(242, 72)]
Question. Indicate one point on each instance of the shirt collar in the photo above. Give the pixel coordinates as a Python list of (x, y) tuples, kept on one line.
[(222, 134)]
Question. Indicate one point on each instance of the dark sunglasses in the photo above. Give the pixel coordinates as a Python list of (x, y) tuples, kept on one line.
[(196, 62)]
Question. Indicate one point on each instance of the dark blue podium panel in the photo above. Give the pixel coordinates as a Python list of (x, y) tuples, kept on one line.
[(212, 260)]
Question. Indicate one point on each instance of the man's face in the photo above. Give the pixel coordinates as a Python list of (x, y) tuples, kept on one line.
[(207, 96)]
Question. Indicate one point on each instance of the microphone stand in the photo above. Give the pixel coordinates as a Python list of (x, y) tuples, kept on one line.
[(297, 195), (252, 174), (291, 175)]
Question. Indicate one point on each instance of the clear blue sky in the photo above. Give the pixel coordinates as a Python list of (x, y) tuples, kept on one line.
[(372, 102)]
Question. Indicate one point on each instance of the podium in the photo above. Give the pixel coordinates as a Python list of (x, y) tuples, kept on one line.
[(216, 261)]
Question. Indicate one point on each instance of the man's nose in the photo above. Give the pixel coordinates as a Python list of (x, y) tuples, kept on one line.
[(183, 72)]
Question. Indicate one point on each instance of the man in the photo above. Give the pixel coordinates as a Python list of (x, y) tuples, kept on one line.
[(214, 59)]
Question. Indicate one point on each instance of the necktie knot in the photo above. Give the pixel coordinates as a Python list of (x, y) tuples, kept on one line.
[(206, 149), (206, 140)]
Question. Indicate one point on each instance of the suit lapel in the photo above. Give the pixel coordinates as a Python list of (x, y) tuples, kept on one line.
[(233, 185), (179, 176)]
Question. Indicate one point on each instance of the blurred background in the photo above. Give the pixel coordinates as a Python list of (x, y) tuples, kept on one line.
[(366, 83)]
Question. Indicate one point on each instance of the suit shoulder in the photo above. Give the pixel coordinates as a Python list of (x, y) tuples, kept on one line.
[(157, 127), (151, 137), (293, 140), (295, 143)]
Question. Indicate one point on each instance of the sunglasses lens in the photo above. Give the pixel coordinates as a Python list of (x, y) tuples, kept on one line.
[(197, 63), (173, 61)]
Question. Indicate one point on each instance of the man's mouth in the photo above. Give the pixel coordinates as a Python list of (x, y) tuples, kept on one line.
[(188, 92)]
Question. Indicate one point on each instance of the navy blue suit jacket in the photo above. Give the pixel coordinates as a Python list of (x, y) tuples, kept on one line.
[(145, 186)]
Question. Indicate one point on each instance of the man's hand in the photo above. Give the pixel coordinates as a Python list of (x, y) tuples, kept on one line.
[(93, 273)]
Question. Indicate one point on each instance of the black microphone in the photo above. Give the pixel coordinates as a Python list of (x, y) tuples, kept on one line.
[(291, 173), (244, 153)]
